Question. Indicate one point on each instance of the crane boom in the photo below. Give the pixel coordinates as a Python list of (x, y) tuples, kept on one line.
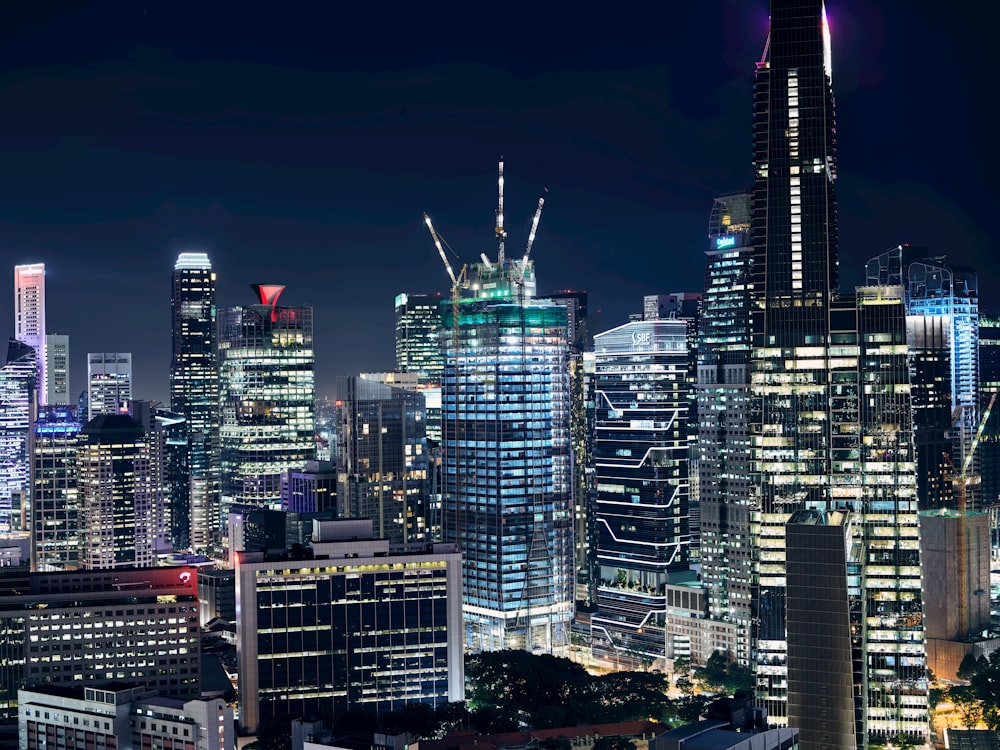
[(979, 433), (437, 244), (531, 235), (501, 234)]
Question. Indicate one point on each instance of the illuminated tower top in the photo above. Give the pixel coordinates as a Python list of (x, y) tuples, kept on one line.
[(29, 315)]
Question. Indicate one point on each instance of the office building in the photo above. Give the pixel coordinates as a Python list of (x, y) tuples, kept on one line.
[(120, 487), (581, 368), (55, 502), (311, 489), (73, 628), (166, 441), (17, 397), (723, 440), (831, 425), (642, 474), (29, 317), (352, 628), (418, 350), (942, 302), (268, 393), (194, 395), (507, 480), (989, 443), (216, 595), (57, 369), (109, 383), (120, 715), (383, 458)]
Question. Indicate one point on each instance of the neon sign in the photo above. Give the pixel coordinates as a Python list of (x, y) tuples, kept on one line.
[(724, 242)]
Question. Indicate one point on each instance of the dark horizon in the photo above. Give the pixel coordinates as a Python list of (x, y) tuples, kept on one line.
[(303, 148)]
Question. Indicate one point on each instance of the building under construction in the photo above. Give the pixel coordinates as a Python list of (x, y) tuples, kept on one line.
[(507, 484)]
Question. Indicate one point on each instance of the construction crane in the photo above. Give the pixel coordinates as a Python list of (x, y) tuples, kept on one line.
[(960, 480), (531, 237)]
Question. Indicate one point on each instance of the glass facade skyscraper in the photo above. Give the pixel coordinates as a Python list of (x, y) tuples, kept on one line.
[(723, 394), (642, 474), (18, 379), (194, 395), (29, 317), (55, 501), (267, 393), (830, 412), (418, 350), (507, 484)]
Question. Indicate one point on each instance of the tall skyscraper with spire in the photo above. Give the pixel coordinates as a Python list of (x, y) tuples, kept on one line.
[(29, 316), (194, 394), (831, 439)]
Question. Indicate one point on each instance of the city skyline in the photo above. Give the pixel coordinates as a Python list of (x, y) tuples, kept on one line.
[(317, 174)]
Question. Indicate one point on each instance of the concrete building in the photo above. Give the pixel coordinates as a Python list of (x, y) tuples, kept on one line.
[(67, 628), (351, 627), (122, 716)]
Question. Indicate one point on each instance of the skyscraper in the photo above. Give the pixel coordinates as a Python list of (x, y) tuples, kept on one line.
[(418, 350), (55, 502), (29, 317), (194, 395), (267, 395), (641, 464), (109, 382), (507, 499), (383, 454), (57, 369), (830, 426), (17, 389), (120, 492), (723, 388)]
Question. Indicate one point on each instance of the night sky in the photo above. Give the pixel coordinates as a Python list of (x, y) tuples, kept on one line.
[(299, 144)]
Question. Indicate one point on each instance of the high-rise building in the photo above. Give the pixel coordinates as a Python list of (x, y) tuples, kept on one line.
[(354, 627), (57, 369), (418, 350), (581, 368), (79, 627), (17, 397), (830, 426), (29, 317), (109, 383), (989, 444), (383, 458), (507, 499), (267, 394), (942, 302), (641, 465), (121, 492), (723, 393), (166, 442), (194, 395), (55, 502)]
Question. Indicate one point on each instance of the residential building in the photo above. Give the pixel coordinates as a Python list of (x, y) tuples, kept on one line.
[(55, 502), (642, 475), (268, 393), (109, 383), (29, 317), (194, 395), (353, 627)]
